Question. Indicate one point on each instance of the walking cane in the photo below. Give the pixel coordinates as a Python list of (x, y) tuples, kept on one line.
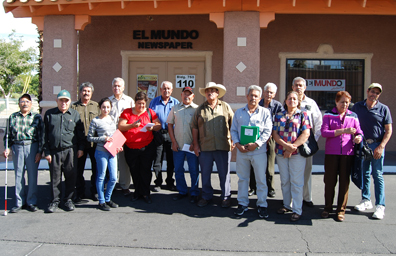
[(6, 167)]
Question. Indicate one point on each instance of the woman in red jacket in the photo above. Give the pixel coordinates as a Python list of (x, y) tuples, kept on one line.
[(341, 129)]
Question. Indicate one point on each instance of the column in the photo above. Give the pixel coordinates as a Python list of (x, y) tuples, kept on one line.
[(59, 58), (241, 62)]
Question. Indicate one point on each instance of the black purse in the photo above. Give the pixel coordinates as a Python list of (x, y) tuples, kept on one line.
[(366, 152), (158, 139), (310, 147), (362, 153)]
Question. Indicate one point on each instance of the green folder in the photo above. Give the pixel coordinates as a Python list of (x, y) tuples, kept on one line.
[(249, 134)]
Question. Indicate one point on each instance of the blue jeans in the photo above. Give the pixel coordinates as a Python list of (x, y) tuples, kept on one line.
[(374, 167), (104, 160), (222, 159), (192, 161)]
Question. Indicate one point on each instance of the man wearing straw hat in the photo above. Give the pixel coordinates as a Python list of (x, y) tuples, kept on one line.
[(25, 131), (212, 141)]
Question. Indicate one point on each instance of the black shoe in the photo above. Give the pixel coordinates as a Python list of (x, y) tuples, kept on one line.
[(112, 204), (32, 208), (157, 188), (251, 192), (193, 199), (94, 197), (226, 203), (147, 199), (69, 206), (171, 187), (77, 200), (271, 193), (135, 197), (104, 207), (178, 197), (203, 202), (262, 212), (126, 192), (53, 207), (240, 210), (309, 204)]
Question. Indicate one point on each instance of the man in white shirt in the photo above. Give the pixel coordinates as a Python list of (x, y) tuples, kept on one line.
[(315, 117), (120, 102)]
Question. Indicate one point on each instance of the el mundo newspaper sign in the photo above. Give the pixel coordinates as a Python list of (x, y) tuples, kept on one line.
[(325, 84)]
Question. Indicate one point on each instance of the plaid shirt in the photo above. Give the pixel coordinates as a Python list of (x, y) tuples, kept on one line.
[(29, 127), (289, 129)]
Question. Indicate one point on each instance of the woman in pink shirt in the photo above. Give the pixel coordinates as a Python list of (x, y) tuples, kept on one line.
[(341, 129)]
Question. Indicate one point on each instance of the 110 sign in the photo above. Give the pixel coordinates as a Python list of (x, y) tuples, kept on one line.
[(185, 80)]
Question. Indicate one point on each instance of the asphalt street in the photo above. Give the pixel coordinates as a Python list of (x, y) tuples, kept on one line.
[(168, 227)]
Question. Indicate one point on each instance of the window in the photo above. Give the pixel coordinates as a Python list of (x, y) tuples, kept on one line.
[(348, 72)]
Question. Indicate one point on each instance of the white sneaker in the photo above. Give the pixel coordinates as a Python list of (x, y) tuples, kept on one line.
[(364, 205), (379, 212)]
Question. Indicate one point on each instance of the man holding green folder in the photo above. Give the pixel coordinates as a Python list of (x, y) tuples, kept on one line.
[(250, 130)]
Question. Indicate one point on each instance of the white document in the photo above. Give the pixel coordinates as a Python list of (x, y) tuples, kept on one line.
[(151, 91), (186, 147), (248, 132), (144, 129)]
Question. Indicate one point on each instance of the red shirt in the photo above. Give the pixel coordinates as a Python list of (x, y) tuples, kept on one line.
[(134, 137)]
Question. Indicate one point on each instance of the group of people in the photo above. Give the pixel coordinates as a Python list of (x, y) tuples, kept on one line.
[(200, 135)]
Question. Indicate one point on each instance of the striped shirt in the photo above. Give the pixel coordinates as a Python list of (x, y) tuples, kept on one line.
[(100, 129), (29, 127)]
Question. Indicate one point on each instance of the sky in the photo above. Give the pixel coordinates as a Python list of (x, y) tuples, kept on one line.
[(22, 26)]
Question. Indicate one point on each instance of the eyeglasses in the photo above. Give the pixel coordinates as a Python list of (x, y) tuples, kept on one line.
[(24, 102), (287, 125)]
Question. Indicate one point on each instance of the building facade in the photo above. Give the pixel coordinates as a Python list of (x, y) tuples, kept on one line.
[(335, 44)]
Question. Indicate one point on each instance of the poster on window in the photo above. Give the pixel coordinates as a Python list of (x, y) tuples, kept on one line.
[(325, 84), (185, 80), (147, 84)]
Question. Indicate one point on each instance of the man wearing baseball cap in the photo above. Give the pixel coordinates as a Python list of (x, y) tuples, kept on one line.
[(179, 127), (25, 131), (376, 122), (64, 142)]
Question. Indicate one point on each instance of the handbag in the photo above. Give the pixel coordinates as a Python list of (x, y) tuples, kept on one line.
[(357, 167), (366, 150), (310, 147), (158, 139)]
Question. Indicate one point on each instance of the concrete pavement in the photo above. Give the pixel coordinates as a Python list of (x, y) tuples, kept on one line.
[(168, 227)]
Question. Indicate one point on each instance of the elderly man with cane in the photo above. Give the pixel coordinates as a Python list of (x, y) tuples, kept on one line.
[(24, 137)]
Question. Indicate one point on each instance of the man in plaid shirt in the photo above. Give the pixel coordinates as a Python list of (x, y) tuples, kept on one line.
[(25, 133)]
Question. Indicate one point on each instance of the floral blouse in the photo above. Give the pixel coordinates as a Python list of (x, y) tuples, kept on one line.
[(290, 129)]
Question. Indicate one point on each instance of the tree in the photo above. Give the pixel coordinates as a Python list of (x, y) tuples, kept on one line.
[(14, 61)]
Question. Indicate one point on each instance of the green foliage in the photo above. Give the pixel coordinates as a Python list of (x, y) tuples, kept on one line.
[(14, 61)]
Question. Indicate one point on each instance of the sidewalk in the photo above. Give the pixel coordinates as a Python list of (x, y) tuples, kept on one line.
[(168, 227)]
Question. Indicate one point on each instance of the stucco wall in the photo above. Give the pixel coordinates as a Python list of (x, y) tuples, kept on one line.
[(347, 34), (102, 41)]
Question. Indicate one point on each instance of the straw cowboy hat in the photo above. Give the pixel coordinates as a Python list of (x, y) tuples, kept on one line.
[(220, 87)]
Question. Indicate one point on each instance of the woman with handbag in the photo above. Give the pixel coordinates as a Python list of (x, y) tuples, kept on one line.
[(100, 131), (291, 129), (341, 129), (139, 146)]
